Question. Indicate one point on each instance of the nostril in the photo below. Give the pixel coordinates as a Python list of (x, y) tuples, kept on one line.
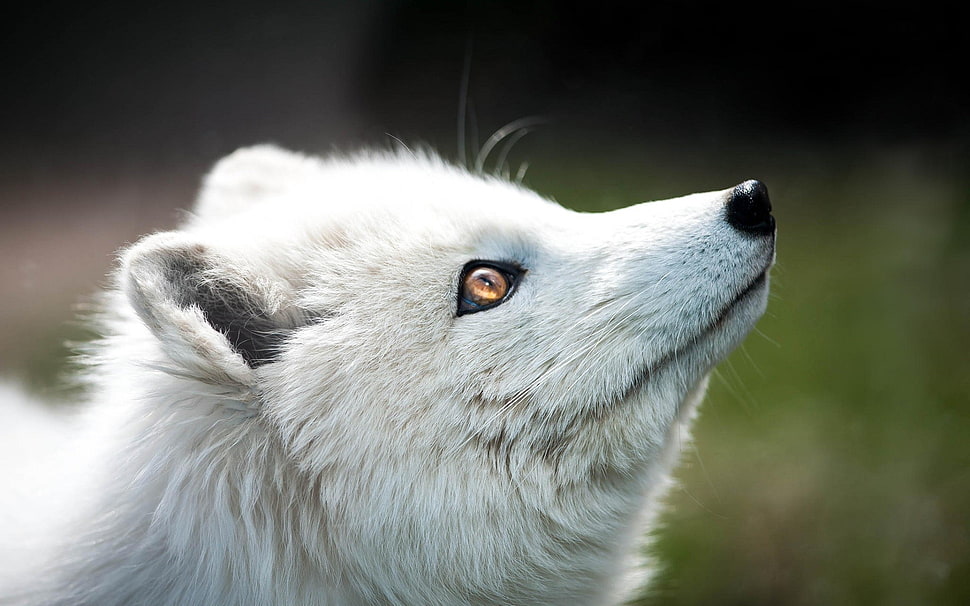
[(749, 208)]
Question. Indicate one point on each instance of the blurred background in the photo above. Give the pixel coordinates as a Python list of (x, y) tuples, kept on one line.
[(831, 464)]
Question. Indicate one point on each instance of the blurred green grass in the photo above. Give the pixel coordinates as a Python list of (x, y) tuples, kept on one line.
[(830, 464)]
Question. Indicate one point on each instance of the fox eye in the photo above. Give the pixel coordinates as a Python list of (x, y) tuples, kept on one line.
[(485, 285)]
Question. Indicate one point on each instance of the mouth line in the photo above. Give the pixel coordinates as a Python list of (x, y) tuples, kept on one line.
[(714, 325), (755, 284)]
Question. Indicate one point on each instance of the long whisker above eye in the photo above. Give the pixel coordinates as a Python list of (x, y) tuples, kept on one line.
[(500, 134), (507, 147), (463, 104)]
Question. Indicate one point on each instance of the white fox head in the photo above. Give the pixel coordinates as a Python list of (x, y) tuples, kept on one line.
[(475, 384)]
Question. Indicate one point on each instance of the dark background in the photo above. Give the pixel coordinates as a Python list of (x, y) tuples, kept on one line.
[(830, 464), (188, 83)]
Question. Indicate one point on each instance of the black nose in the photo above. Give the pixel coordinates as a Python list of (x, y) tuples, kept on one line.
[(749, 208)]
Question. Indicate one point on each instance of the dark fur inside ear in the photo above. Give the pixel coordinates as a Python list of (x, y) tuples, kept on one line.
[(228, 307)]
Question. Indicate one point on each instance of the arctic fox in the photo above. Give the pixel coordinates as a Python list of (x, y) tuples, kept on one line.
[(385, 380)]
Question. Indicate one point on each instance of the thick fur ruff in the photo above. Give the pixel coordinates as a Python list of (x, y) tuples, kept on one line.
[(287, 406)]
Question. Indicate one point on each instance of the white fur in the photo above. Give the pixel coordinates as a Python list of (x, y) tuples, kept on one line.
[(392, 452)]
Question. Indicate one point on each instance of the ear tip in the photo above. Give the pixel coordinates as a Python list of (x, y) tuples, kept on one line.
[(243, 162), (261, 152), (151, 252), (149, 264), (160, 275), (247, 175)]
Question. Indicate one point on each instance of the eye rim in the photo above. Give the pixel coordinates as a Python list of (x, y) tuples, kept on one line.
[(512, 272)]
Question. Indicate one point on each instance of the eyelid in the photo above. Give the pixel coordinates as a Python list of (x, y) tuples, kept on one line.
[(512, 271)]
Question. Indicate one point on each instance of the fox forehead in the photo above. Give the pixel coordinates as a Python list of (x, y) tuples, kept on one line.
[(271, 186)]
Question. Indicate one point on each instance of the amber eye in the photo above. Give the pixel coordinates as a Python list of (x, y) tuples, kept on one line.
[(484, 285)]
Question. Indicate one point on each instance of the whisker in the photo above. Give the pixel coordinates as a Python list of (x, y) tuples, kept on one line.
[(463, 103), (767, 338), (589, 346), (540, 380), (402, 144), (509, 144), (614, 324), (501, 134), (744, 350)]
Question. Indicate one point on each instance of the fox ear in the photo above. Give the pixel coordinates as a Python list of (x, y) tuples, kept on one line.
[(249, 176), (213, 321)]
